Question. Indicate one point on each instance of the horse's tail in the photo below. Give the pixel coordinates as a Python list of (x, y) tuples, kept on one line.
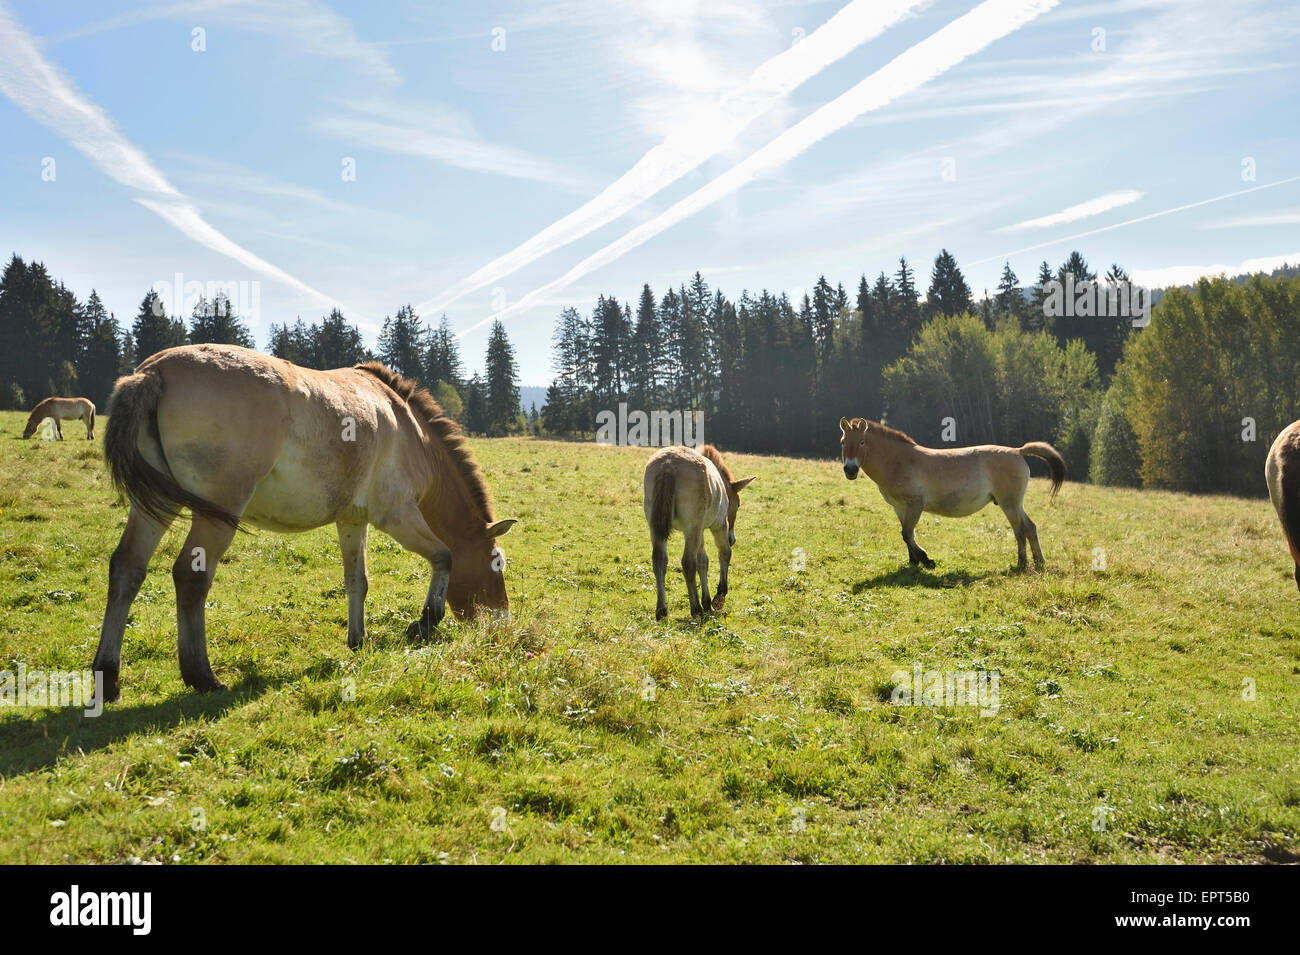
[(1041, 449), (133, 409), (662, 504)]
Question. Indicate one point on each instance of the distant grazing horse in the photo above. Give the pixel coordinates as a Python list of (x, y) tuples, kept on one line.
[(62, 409), (690, 491), (235, 435), (1282, 471), (954, 482)]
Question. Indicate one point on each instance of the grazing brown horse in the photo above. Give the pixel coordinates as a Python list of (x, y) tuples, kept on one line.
[(238, 436), (953, 482), (690, 491), (62, 409), (1282, 472)]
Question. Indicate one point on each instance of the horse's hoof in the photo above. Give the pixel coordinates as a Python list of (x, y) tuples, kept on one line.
[(661, 612), (929, 564), (419, 631), (210, 686), (697, 612), (719, 600)]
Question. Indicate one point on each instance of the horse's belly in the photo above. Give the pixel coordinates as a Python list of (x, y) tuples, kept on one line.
[(957, 505), (284, 504)]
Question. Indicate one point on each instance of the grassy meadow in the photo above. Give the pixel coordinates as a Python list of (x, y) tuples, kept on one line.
[(1149, 684)]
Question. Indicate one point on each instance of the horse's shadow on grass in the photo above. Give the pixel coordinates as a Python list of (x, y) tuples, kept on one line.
[(45, 737), (914, 575)]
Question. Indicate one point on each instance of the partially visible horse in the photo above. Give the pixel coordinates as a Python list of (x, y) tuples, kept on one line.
[(62, 409), (1282, 472), (238, 436), (953, 482), (691, 491)]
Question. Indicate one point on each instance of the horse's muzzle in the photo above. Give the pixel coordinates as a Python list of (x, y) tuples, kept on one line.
[(851, 470)]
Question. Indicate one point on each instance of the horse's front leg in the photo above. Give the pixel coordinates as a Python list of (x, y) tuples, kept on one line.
[(192, 574), (721, 538), (410, 530), (58, 429), (911, 513), (352, 541)]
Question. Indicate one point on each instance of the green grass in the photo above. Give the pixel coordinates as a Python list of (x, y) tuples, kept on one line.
[(1119, 688)]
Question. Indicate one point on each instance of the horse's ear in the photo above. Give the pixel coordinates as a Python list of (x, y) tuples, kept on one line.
[(739, 486), (844, 425), (498, 528)]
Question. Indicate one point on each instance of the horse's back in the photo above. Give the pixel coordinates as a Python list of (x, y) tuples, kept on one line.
[(294, 445), (698, 492)]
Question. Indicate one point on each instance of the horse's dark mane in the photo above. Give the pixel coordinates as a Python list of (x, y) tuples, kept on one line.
[(444, 428), (885, 431), (710, 452)]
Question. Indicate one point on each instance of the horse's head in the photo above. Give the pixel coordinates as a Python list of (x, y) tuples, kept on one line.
[(478, 579), (853, 442), (733, 505)]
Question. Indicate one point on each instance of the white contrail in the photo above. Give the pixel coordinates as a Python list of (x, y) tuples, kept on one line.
[(1120, 225), (916, 66), (1084, 210), (42, 91), (686, 148)]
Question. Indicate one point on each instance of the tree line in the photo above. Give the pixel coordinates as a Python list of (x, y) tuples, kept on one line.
[(774, 376), (51, 343)]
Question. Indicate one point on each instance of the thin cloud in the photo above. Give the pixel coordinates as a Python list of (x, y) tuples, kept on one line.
[(1127, 222), (705, 136), (911, 69), (42, 91), (1084, 210), (309, 24), (455, 146), (1257, 220)]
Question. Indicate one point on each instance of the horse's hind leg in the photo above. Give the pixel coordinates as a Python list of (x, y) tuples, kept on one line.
[(409, 529), (659, 558), (909, 517), (126, 572), (192, 574), (1031, 532), (1016, 518), (58, 429), (690, 554), (89, 418), (352, 541)]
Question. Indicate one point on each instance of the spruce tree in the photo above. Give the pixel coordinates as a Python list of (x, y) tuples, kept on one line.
[(502, 399)]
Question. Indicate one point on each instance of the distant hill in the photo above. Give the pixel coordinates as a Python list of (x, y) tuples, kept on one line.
[(529, 394)]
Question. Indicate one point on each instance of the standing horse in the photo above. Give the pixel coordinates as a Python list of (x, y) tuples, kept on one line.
[(238, 436), (690, 491), (1282, 472), (954, 482), (62, 409)]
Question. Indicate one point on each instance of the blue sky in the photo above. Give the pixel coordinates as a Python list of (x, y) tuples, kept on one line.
[(683, 135)]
